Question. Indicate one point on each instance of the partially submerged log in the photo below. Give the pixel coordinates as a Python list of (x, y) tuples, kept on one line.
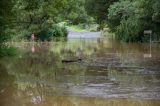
[(71, 60)]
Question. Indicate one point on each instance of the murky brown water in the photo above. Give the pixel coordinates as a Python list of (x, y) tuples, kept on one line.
[(81, 72)]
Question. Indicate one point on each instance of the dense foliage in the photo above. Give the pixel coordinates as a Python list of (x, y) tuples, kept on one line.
[(38, 16), (128, 19), (7, 51), (76, 13), (99, 10), (52, 32), (5, 19)]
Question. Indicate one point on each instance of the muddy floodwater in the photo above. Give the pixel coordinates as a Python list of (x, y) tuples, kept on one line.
[(81, 72)]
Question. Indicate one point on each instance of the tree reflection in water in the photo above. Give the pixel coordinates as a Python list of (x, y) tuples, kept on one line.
[(8, 91)]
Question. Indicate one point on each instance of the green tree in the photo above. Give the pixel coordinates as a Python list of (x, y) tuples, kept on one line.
[(36, 15), (99, 9), (76, 13), (5, 19), (6, 22), (128, 19)]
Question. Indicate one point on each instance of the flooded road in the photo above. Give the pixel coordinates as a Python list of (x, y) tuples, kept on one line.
[(81, 72), (72, 34)]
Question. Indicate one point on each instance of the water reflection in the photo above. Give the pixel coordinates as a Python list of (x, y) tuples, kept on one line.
[(74, 72), (33, 48), (7, 88)]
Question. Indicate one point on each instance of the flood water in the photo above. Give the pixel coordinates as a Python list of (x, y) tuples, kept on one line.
[(81, 72)]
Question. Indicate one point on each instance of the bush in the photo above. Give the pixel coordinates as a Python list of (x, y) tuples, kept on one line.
[(128, 30), (50, 33), (7, 51)]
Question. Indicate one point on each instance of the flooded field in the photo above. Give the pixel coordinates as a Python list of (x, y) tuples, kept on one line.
[(81, 72)]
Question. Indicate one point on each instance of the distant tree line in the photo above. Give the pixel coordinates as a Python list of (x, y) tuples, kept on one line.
[(126, 18)]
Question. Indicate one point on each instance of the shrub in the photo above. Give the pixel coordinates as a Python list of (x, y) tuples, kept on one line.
[(50, 33), (128, 30), (7, 51)]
